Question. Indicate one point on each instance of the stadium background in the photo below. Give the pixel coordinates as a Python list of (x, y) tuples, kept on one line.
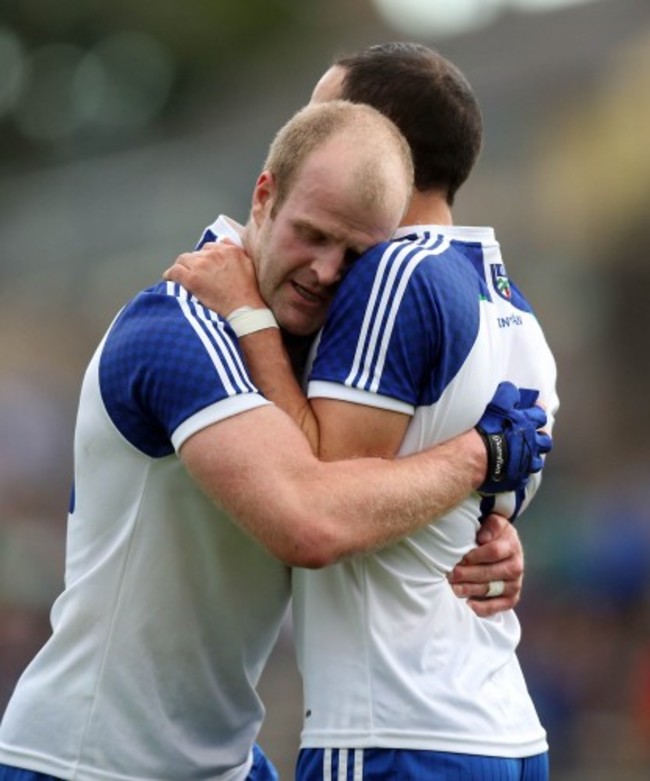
[(125, 127)]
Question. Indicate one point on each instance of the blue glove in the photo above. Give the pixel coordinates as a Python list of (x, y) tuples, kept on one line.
[(514, 445)]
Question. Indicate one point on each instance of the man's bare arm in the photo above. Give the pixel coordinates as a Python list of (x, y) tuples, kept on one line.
[(364, 432), (308, 513)]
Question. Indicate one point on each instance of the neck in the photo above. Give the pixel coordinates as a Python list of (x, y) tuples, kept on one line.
[(428, 207), (297, 348), (248, 237)]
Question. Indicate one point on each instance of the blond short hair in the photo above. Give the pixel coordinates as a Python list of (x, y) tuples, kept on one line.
[(315, 124)]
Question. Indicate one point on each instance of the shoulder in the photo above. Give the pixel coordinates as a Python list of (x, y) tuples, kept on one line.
[(161, 315), (166, 359), (397, 263), (421, 274), (158, 300)]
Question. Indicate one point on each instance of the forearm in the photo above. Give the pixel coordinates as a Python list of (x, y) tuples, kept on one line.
[(309, 513), (270, 369), (389, 499)]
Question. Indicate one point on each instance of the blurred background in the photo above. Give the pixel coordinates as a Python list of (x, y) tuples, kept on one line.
[(126, 127)]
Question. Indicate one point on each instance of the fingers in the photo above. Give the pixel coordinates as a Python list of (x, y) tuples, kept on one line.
[(536, 415), (202, 261), (529, 396), (494, 525), (478, 576), (544, 442), (181, 267), (476, 595), (506, 395), (498, 539), (175, 273), (499, 559), (220, 275), (490, 607), (504, 551)]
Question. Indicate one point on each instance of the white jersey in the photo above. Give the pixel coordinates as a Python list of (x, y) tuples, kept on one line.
[(427, 325), (169, 611)]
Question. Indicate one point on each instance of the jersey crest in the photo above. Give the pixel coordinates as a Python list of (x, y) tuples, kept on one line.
[(500, 280)]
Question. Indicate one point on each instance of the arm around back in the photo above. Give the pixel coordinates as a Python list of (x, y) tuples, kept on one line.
[(260, 469)]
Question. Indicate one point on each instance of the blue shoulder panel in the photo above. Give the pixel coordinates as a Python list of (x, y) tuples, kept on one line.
[(164, 359), (402, 322)]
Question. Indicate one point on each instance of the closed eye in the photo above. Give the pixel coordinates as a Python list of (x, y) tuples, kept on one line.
[(312, 235)]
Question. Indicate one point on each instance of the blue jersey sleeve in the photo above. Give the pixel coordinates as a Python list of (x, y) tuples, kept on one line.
[(164, 359), (399, 326)]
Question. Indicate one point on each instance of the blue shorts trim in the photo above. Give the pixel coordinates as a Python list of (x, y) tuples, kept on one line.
[(8, 773), (316, 764), (262, 770)]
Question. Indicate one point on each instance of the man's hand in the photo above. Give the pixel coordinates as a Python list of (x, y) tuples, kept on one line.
[(510, 428), (221, 275), (498, 557)]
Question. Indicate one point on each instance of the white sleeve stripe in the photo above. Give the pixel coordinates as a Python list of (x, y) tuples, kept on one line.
[(223, 376), (204, 319), (215, 413), (208, 340), (415, 259), (390, 322), (324, 389), (224, 342), (372, 345), (378, 316), (393, 249)]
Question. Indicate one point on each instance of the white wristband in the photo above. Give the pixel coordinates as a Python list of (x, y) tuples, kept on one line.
[(247, 320)]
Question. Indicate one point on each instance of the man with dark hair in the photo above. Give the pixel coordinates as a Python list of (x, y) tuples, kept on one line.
[(435, 109), (401, 678)]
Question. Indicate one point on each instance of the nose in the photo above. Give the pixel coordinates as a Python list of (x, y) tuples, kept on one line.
[(329, 265)]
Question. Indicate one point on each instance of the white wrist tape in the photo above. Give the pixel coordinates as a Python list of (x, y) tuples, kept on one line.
[(247, 320)]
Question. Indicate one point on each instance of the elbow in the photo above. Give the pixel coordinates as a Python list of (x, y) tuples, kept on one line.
[(309, 545), (308, 559), (317, 557), (301, 525)]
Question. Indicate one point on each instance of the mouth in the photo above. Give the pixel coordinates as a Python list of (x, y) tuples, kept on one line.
[(309, 296)]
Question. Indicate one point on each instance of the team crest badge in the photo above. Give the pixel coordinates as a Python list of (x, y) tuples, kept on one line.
[(500, 280)]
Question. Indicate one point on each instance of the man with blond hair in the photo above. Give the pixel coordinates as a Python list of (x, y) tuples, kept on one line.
[(170, 608)]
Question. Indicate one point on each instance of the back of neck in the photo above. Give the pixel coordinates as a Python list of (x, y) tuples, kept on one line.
[(428, 208)]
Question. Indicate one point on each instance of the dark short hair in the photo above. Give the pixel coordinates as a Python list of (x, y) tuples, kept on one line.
[(429, 100)]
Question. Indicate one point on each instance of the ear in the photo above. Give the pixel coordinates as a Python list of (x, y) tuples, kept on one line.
[(263, 197)]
